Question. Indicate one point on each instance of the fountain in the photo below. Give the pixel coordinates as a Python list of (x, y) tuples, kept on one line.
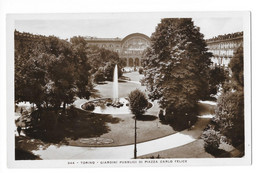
[(113, 105), (115, 86)]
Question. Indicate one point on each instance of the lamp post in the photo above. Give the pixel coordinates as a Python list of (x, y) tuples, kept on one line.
[(135, 149)]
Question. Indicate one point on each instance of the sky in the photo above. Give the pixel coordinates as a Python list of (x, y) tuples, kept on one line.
[(112, 26)]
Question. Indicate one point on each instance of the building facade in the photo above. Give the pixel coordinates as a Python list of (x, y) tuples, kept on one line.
[(130, 48), (223, 47)]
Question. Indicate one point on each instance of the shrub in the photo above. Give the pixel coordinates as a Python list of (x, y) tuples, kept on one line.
[(230, 116), (89, 106), (141, 70), (138, 102), (211, 140)]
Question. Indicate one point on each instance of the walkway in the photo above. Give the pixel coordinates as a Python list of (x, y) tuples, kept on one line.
[(125, 152)]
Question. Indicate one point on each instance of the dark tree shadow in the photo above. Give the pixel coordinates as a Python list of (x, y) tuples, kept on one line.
[(146, 118), (180, 123), (25, 155), (218, 153), (102, 83), (124, 78), (122, 81), (74, 124)]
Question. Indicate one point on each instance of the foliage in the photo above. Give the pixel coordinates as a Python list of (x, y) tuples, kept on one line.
[(230, 108), (217, 76), (99, 76), (138, 102), (82, 56), (211, 140), (176, 66), (141, 70), (89, 106), (230, 116), (109, 71), (106, 60), (50, 71), (43, 70), (237, 67)]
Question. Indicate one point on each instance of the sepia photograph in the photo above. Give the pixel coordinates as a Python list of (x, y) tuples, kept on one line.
[(126, 89)]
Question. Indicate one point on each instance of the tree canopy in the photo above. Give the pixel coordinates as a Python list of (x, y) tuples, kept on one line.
[(177, 65), (138, 102), (44, 70), (50, 71)]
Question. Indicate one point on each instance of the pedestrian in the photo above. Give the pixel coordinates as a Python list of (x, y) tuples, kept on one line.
[(19, 129), (21, 111)]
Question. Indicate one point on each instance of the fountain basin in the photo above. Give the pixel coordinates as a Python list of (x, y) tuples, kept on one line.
[(106, 106)]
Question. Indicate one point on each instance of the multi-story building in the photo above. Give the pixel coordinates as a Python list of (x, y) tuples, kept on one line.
[(223, 47), (130, 48)]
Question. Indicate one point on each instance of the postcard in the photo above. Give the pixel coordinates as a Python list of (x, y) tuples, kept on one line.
[(128, 89)]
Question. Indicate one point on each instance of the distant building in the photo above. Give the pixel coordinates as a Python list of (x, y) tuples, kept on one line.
[(130, 48), (223, 47)]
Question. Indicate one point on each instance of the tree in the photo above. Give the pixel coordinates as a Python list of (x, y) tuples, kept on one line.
[(237, 67), (82, 56), (217, 77), (138, 102), (32, 60), (62, 72), (99, 76), (109, 71), (46, 70), (230, 108), (176, 66), (138, 105), (26, 86), (106, 59)]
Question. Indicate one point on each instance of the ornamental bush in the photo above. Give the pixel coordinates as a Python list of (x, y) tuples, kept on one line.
[(211, 140), (89, 106), (141, 70), (138, 102)]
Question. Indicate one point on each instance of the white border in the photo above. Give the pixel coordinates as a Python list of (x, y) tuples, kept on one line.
[(64, 163)]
